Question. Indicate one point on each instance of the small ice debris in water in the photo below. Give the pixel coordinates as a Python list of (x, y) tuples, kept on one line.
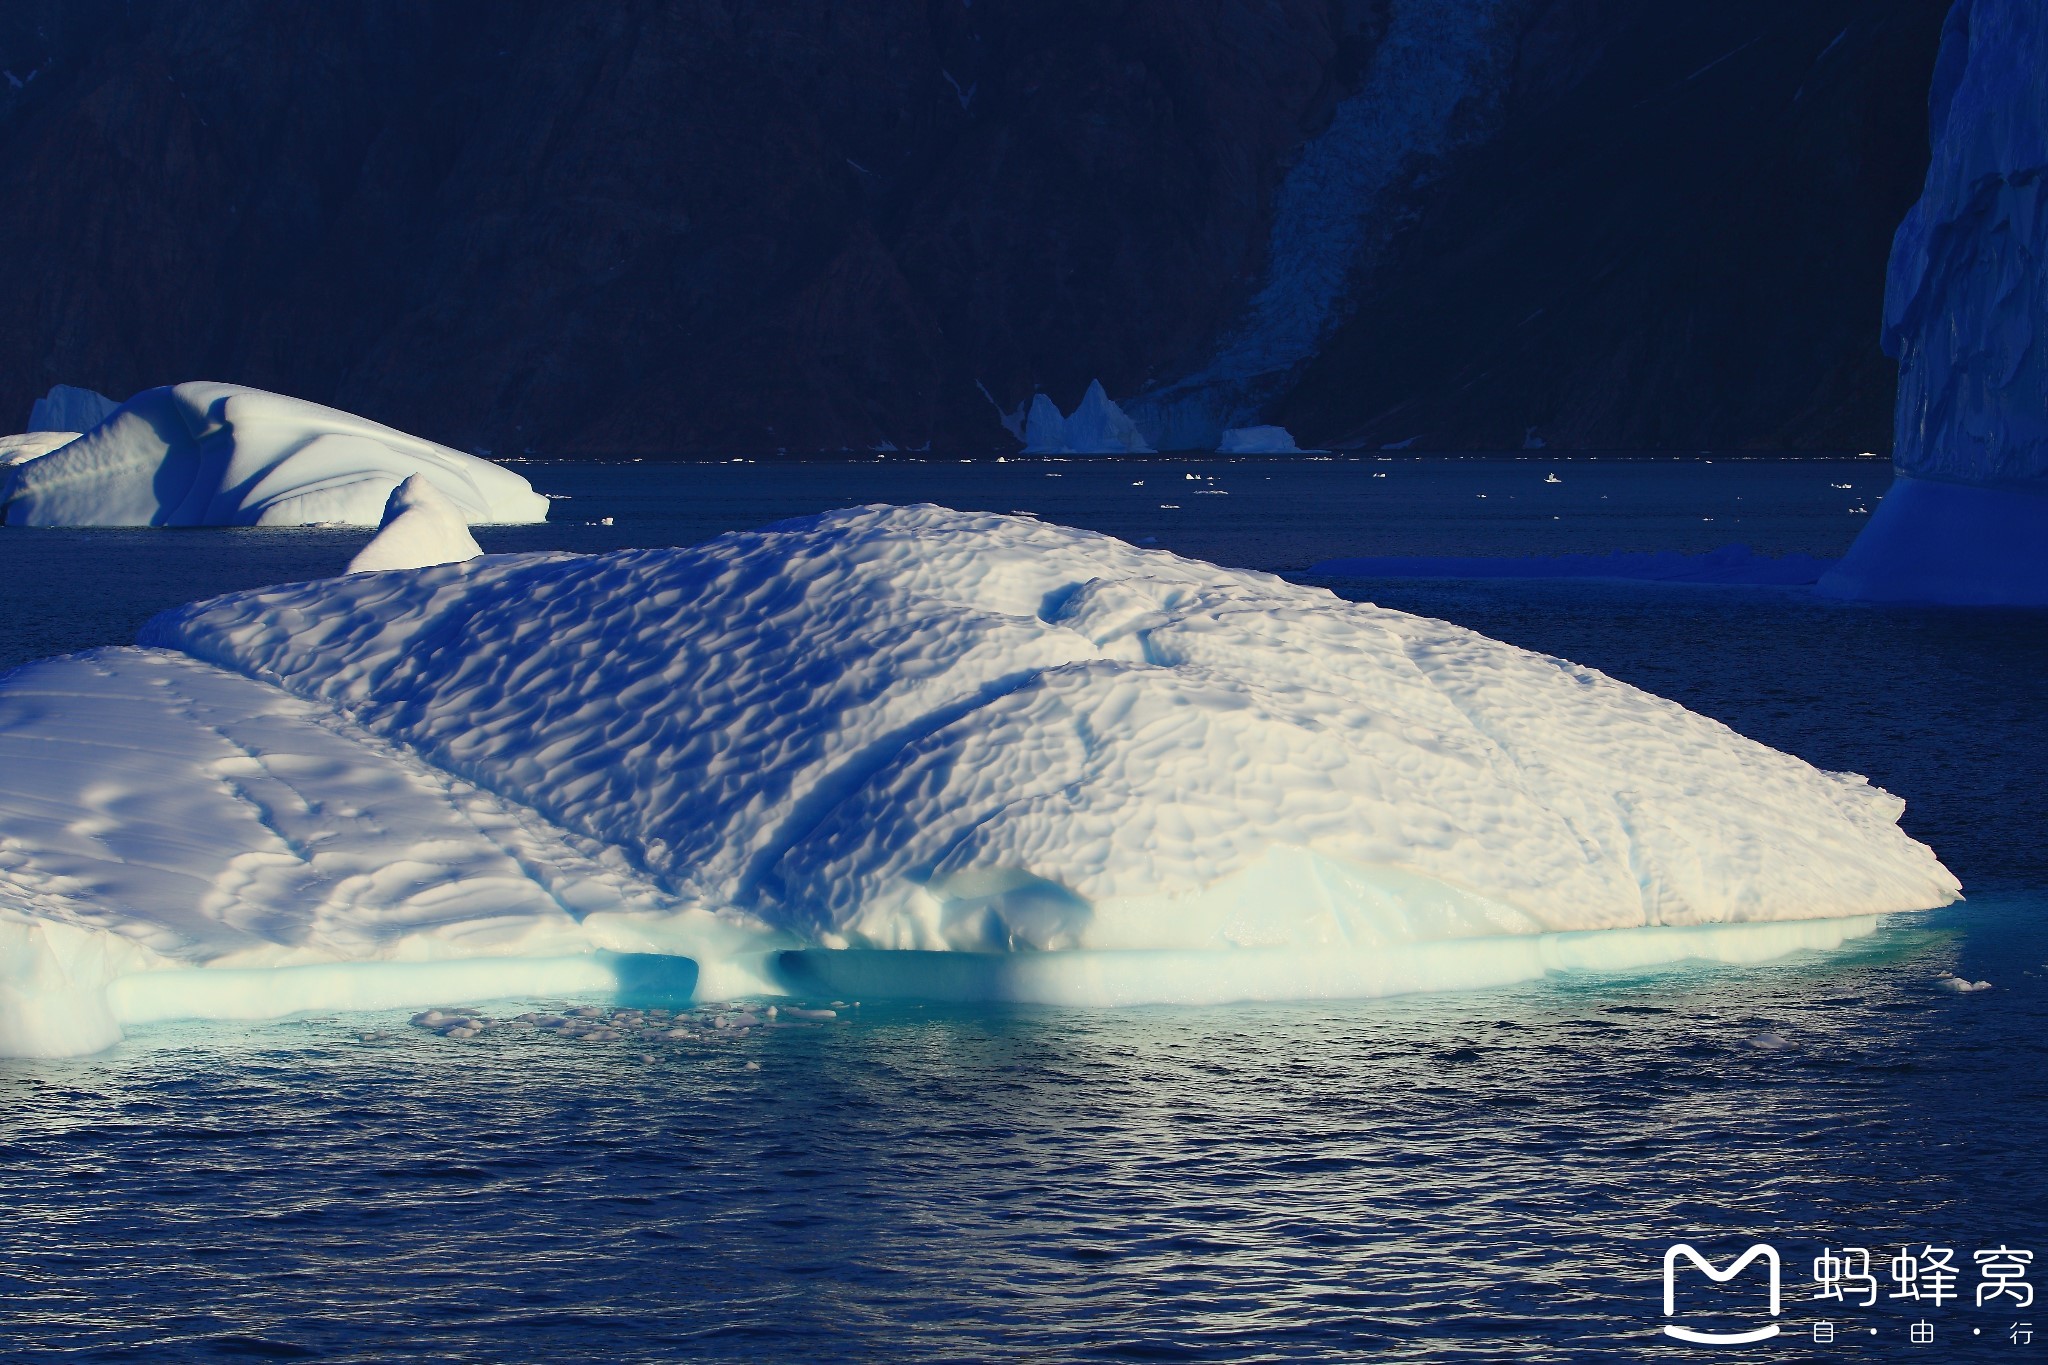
[(1841, 485), (772, 1011), (604, 521), (1962, 985), (1552, 478), (796, 1013), (753, 1066), (1771, 1042)]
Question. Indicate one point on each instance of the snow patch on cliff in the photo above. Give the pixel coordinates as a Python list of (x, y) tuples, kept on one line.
[(1432, 86)]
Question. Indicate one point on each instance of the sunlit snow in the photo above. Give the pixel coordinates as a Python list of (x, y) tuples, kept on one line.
[(206, 454), (912, 749)]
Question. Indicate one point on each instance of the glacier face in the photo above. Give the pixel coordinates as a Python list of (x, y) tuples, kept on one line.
[(1068, 767), (207, 454), (1966, 316), (1966, 297)]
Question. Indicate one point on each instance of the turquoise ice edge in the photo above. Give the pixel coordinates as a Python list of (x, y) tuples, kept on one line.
[(1096, 978)]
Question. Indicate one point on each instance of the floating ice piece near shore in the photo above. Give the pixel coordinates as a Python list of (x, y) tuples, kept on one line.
[(1258, 441), (66, 407), (1097, 427), (867, 753), (421, 528), (1961, 985), (32, 445), (206, 454)]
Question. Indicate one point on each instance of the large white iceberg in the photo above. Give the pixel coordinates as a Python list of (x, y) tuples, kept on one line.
[(68, 408), (906, 747), (1966, 315), (1096, 427), (206, 454)]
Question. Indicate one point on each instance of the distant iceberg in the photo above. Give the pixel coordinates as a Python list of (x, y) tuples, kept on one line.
[(207, 454), (1966, 315), (1097, 427), (421, 528), (31, 445), (1257, 441), (941, 753), (69, 408)]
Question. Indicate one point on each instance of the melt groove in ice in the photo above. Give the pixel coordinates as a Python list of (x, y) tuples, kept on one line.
[(985, 737)]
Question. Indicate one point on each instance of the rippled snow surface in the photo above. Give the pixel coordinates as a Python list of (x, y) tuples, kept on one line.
[(1482, 1176)]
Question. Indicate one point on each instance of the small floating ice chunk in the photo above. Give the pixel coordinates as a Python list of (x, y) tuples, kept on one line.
[(1962, 985), (795, 1013), (421, 528)]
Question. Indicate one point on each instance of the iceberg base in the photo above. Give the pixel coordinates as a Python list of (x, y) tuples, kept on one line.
[(1951, 543), (1086, 978), (1135, 977)]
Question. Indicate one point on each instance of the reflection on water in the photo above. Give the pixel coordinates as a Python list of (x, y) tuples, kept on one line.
[(1437, 1177)]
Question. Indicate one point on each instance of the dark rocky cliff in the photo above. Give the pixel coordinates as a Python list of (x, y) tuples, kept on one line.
[(655, 227)]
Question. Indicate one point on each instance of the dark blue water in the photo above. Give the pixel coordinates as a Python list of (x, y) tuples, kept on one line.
[(1482, 1176)]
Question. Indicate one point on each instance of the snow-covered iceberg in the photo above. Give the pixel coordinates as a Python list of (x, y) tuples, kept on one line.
[(66, 407), (206, 454), (32, 445), (919, 749), (1258, 441), (1966, 316), (421, 528), (1097, 427)]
